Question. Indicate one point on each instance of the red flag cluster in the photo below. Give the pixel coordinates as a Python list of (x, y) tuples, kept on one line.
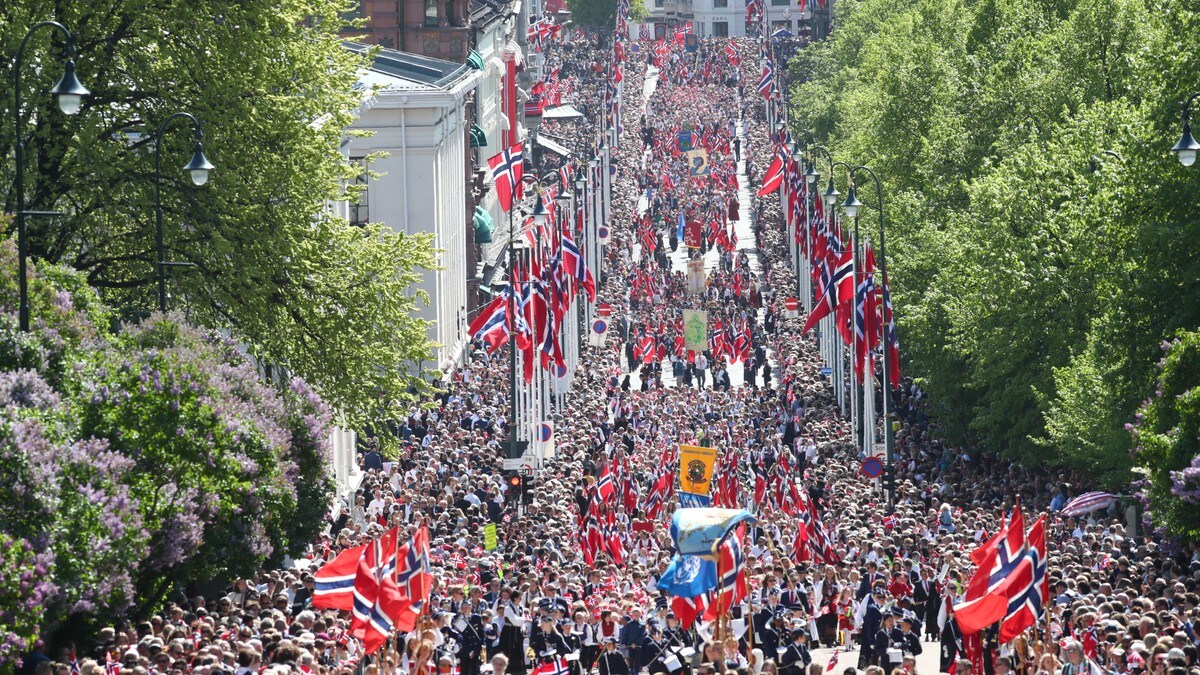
[(1010, 584), (383, 584)]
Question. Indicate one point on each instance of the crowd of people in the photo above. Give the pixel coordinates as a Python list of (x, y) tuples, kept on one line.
[(1121, 602)]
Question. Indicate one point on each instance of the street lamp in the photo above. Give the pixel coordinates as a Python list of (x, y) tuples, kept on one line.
[(1187, 146), (197, 169), (852, 205), (886, 341), (69, 93)]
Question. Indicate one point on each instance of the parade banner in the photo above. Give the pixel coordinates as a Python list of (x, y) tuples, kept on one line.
[(698, 162), (693, 234), (696, 279), (695, 329), (687, 500), (696, 469)]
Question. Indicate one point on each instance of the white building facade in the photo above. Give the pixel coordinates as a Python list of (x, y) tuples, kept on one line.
[(417, 161)]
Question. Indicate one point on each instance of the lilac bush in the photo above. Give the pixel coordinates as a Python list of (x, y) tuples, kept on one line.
[(25, 587), (1166, 437), (138, 460)]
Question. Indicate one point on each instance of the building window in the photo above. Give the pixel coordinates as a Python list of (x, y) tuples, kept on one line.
[(354, 13), (721, 28), (431, 13), (360, 204)]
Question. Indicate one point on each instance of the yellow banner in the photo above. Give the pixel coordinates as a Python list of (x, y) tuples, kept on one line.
[(696, 468)]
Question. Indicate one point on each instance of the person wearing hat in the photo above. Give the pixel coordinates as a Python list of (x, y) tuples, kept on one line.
[(654, 650), (633, 633), (910, 641), (469, 634), (796, 657), (870, 617), (887, 641), (611, 662), (547, 643), (765, 635)]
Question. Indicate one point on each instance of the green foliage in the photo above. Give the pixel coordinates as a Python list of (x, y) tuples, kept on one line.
[(22, 591), (1039, 228), (1167, 433), (144, 457), (274, 90)]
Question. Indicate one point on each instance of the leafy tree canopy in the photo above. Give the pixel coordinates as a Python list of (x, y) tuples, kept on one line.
[(1039, 226), (274, 90)]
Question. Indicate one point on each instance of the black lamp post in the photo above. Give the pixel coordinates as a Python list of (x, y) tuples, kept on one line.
[(197, 169), (69, 93), (1187, 147), (852, 210)]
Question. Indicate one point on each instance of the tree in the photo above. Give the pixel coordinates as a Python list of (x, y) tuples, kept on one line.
[(274, 89), (139, 458), (1166, 430), (1039, 227)]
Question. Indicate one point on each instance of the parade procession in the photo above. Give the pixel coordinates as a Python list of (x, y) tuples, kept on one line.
[(681, 438)]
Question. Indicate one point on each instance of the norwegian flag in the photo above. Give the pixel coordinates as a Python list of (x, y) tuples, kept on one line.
[(995, 560), (731, 584), (773, 178), (828, 300), (559, 666), (688, 609), (893, 341), (866, 321), (378, 601), (605, 486), (508, 170), (890, 521), (1028, 587), (833, 661), (766, 83), (491, 325), (413, 576), (334, 587)]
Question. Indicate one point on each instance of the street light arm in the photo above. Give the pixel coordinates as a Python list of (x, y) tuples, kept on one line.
[(23, 309), (160, 264), (1187, 106)]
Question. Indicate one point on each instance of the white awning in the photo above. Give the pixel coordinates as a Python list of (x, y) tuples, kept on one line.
[(562, 112), (552, 146)]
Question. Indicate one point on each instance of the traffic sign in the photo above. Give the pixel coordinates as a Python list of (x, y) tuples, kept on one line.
[(791, 304), (604, 309), (872, 467), (826, 371)]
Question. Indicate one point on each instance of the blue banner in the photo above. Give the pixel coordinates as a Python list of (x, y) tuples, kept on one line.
[(690, 500), (688, 576)]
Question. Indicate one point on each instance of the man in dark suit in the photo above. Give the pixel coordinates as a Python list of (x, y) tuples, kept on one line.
[(926, 602), (888, 637)]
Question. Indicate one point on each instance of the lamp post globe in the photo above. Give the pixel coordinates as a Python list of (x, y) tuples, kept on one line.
[(1187, 147), (69, 91), (199, 168), (852, 205)]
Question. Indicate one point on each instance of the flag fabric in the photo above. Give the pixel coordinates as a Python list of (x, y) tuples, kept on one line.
[(893, 341), (334, 587), (766, 83), (828, 301), (731, 575), (691, 500), (508, 170), (833, 661), (605, 487), (698, 531), (1028, 587), (377, 598), (1088, 502), (773, 178), (491, 325), (688, 576), (687, 610), (559, 666), (984, 603)]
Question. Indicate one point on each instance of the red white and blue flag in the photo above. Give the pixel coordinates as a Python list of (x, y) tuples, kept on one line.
[(334, 587), (1028, 587), (508, 169)]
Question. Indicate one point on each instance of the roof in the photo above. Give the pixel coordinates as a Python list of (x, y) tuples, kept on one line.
[(485, 13), (393, 69)]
